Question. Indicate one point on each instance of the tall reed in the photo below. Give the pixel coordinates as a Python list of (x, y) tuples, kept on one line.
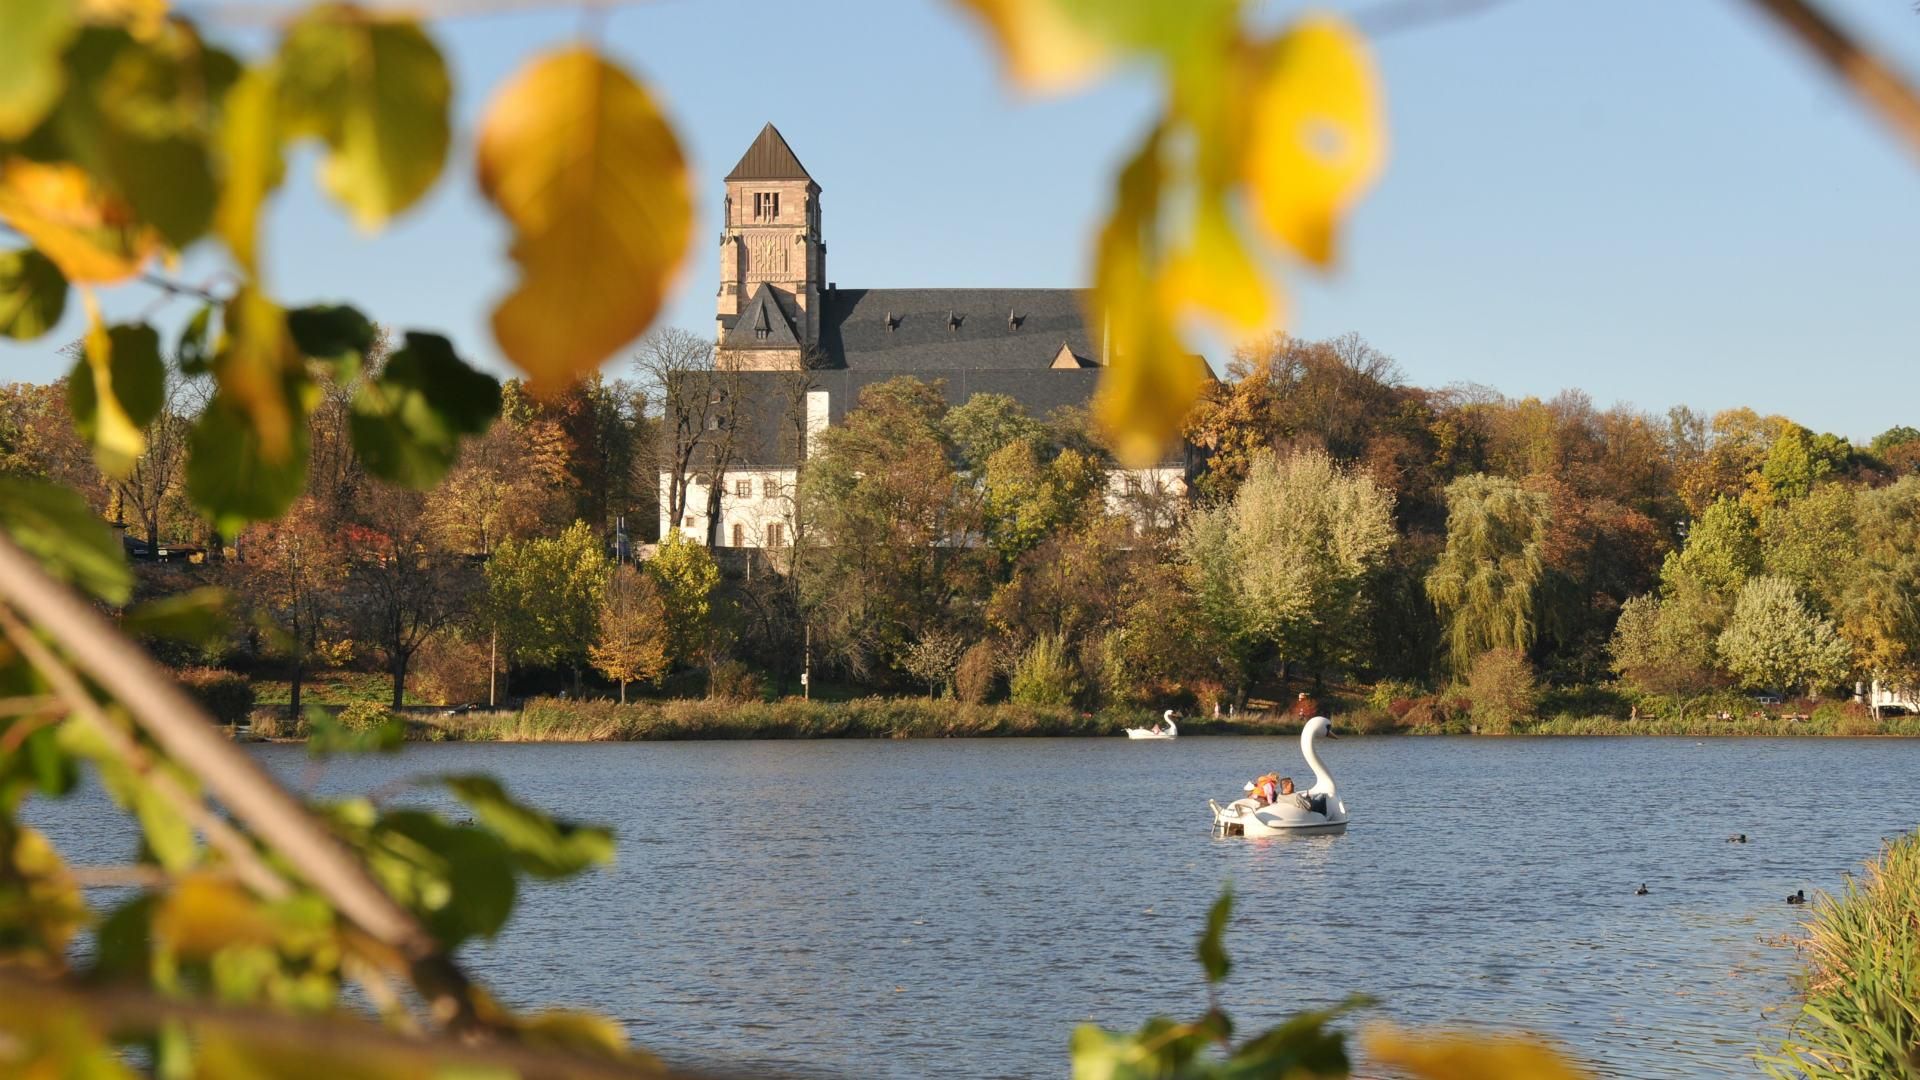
[(1862, 1014)]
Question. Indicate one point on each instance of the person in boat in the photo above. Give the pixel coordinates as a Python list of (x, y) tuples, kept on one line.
[(1292, 797)]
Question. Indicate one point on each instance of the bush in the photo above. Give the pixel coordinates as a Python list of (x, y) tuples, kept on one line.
[(1850, 718), (1045, 674), (1862, 1013), (1501, 691), (450, 671), (225, 694), (364, 716), (979, 671), (1104, 659), (1394, 696), (731, 680)]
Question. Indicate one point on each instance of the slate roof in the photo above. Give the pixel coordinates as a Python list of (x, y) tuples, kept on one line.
[(937, 331), (769, 158), (763, 312)]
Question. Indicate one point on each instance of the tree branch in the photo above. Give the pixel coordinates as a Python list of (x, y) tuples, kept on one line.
[(1871, 78)]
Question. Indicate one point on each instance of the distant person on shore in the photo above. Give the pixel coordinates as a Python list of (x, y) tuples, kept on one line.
[(1305, 708)]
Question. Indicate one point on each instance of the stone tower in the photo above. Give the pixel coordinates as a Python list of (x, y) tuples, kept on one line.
[(773, 263)]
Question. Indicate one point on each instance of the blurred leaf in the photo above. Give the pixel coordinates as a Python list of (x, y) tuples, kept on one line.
[(57, 527), (165, 831), (1318, 136), (1044, 46), (1215, 274), (579, 1032), (1213, 954), (263, 375), (541, 845), (123, 945), (33, 295), (327, 736), (203, 914), (54, 770), (1451, 1056), (336, 335), (1301, 1045), (407, 424), (33, 34), (115, 390), (251, 162), (375, 90), (578, 159), (192, 351), (458, 879), (1150, 381), (229, 477), (197, 616), (90, 235), (138, 115), (42, 903)]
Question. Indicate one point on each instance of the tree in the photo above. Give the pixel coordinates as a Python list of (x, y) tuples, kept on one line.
[(934, 658), (632, 645), (1025, 501), (687, 575), (293, 571), (544, 596), (1282, 568), (1721, 552), (406, 589), (698, 395), (1812, 542), (889, 524), (984, 424), (1234, 420), (1880, 605), (1775, 642), (507, 484), (1484, 584), (151, 487), (1658, 648)]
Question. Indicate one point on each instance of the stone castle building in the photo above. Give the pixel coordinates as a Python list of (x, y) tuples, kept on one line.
[(799, 349)]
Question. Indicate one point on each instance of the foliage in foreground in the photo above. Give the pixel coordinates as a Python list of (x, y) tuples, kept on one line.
[(1862, 1014), (1305, 1046)]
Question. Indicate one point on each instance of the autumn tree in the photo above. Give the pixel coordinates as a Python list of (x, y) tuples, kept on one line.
[(507, 484), (1658, 648), (686, 574), (1281, 569), (1025, 499), (544, 597), (1880, 606), (294, 571), (152, 486), (1484, 584), (980, 426), (405, 588), (698, 398), (632, 642), (1773, 641)]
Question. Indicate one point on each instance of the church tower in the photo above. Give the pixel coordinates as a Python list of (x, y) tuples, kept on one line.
[(773, 263)]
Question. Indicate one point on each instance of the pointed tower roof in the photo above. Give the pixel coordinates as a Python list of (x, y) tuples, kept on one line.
[(769, 158)]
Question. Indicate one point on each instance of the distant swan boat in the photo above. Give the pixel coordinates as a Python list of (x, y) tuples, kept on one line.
[(1170, 730), (1245, 817)]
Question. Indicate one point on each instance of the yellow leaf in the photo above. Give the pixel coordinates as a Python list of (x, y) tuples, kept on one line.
[(115, 390), (1318, 137), (256, 360), (1044, 47), (580, 162), (1216, 275), (90, 236), (1460, 1056), (204, 914), (143, 18), (249, 141), (47, 908)]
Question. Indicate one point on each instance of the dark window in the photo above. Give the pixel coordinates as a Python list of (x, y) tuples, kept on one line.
[(742, 489), (766, 205), (739, 536), (770, 488), (776, 534)]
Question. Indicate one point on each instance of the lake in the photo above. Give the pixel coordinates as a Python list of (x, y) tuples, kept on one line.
[(954, 908)]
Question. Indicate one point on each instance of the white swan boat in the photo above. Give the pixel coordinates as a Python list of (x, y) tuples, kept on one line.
[(1166, 729), (1246, 817)]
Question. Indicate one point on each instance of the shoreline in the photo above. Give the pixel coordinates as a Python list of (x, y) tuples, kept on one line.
[(698, 720)]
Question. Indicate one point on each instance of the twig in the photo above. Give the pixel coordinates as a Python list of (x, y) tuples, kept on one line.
[(120, 877), (187, 734), (1871, 78), (274, 15)]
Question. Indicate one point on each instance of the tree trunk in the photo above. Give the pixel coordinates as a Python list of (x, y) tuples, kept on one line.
[(399, 671), (623, 691), (299, 669), (153, 538)]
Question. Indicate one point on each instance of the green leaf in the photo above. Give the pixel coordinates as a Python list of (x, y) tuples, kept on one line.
[(124, 942), (33, 294), (375, 90), (252, 166), (336, 335), (194, 351), (230, 480), (327, 736), (32, 35), (407, 424), (458, 879), (1212, 952), (54, 770), (541, 845), (196, 617), (56, 527), (115, 390)]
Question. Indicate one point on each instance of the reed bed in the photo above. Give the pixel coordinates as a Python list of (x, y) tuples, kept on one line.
[(1862, 1013)]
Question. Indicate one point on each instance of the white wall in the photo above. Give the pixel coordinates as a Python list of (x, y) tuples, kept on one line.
[(753, 513)]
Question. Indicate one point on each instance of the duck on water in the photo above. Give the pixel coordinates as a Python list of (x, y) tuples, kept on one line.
[(1322, 812)]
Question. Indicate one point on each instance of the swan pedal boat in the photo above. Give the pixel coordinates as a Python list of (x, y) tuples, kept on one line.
[(1167, 730), (1245, 817)]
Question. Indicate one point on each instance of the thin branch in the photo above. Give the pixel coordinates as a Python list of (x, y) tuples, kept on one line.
[(180, 288), (1870, 77), (277, 15), (151, 878), (188, 735)]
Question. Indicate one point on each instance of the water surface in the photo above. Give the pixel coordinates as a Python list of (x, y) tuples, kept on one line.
[(954, 908)]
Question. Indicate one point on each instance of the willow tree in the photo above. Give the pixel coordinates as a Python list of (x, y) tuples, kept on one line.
[(1281, 569), (1880, 608), (1484, 586)]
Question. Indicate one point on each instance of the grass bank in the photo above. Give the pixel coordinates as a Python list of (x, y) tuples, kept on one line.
[(1862, 1013), (1840, 725)]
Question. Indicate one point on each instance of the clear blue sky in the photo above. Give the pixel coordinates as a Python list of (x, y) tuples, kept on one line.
[(1657, 202)]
